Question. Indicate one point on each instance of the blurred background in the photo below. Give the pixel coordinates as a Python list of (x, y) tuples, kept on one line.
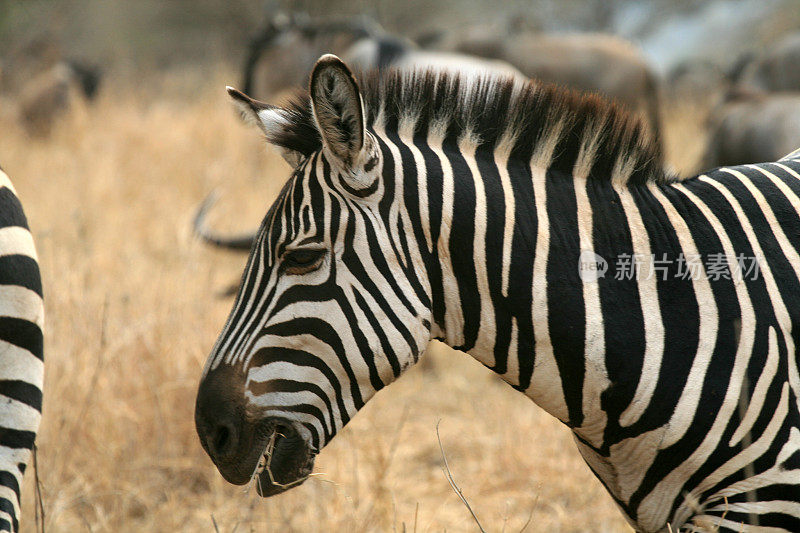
[(114, 125), (150, 33)]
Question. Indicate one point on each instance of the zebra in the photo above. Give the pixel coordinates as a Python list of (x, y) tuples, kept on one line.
[(488, 214), (21, 351)]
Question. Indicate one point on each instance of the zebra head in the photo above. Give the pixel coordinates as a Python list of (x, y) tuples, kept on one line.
[(334, 303)]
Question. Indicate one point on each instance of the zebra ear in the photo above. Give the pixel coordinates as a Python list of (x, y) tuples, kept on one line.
[(338, 109), (272, 120)]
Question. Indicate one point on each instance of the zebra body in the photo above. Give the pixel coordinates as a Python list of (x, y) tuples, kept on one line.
[(21, 351), (462, 210)]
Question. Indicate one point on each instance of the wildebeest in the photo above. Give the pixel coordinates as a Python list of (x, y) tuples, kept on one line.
[(283, 52), (776, 69), (598, 63), (753, 127), (52, 92), (389, 51), (696, 78)]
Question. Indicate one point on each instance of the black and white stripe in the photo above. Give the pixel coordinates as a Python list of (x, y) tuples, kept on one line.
[(21, 356), (468, 226)]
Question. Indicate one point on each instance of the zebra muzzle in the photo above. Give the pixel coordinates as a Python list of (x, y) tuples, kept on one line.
[(248, 446)]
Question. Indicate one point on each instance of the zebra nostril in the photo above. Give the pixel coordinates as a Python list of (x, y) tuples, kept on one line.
[(219, 413), (222, 441)]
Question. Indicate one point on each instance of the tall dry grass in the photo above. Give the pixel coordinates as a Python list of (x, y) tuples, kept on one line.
[(132, 310)]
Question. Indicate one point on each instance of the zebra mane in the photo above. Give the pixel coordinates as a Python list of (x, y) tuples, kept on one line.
[(554, 127)]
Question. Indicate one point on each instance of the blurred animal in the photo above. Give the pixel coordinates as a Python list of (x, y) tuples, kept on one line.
[(21, 351), (22, 63), (776, 69), (388, 51), (283, 52), (749, 127), (53, 92), (698, 79), (518, 224), (587, 62)]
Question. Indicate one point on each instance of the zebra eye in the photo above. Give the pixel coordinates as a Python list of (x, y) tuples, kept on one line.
[(302, 261)]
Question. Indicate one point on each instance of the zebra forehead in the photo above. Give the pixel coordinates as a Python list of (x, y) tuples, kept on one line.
[(298, 205), (524, 120)]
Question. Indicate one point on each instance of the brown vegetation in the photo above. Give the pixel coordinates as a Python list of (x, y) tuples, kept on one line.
[(132, 311)]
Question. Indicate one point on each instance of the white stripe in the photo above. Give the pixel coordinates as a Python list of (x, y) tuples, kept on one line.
[(792, 155), (397, 210), (22, 303), (790, 195), (16, 240), (7, 517), (11, 457), (19, 364), (545, 387), (650, 305), (321, 351), (302, 374), (512, 361), (300, 418), (18, 415), (596, 375), (483, 350), (774, 476), (231, 331), (501, 162), (291, 399), (454, 317), (397, 343), (406, 131)]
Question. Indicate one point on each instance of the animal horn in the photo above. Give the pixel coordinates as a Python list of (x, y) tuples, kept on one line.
[(236, 242)]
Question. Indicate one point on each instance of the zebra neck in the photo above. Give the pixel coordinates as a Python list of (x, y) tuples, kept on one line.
[(506, 286)]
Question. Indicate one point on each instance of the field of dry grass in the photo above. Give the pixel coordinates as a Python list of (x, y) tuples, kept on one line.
[(133, 308)]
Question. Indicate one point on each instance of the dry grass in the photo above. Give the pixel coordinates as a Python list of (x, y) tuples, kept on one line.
[(132, 312)]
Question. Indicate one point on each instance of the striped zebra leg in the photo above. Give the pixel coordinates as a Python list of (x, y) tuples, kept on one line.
[(21, 358)]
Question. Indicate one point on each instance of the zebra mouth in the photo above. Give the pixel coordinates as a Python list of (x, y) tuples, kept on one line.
[(286, 462)]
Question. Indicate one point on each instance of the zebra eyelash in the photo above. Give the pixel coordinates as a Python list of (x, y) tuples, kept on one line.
[(300, 261)]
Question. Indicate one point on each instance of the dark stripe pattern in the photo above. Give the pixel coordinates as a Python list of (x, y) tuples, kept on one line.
[(679, 376), (21, 352)]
